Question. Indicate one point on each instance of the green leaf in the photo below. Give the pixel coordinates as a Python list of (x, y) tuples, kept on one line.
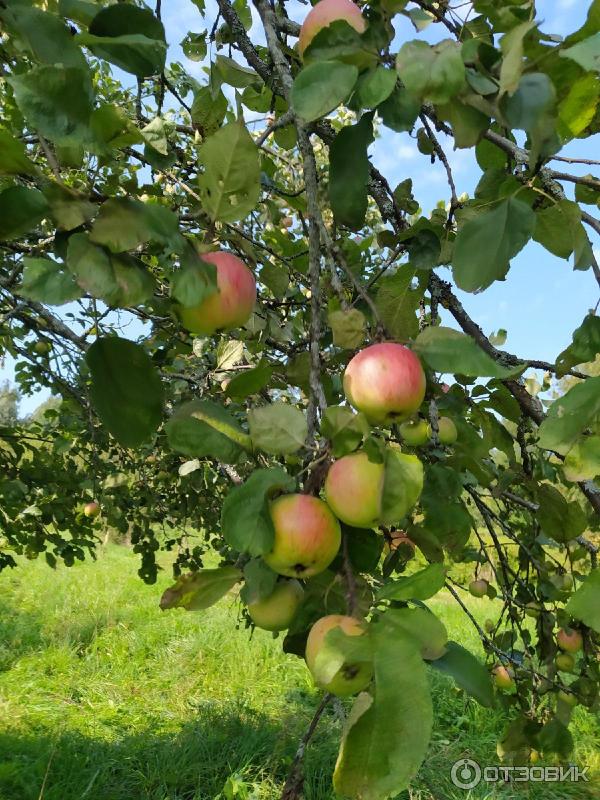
[(397, 304), (374, 87), (21, 209), (45, 35), (124, 224), (584, 347), (194, 46), (500, 233), (423, 628), (563, 521), (234, 74), (195, 280), (560, 230), (431, 72), (512, 50), (275, 277), (200, 590), (570, 415), (577, 110), (202, 428), (349, 173), (447, 350), (112, 128), (259, 581), (468, 672), (82, 11), (423, 248), (344, 429), (348, 328), (531, 108), (13, 156), (245, 518), (420, 586), (337, 41), (402, 485), (468, 124), (555, 738), (582, 462), (249, 382), (117, 281), (56, 101), (278, 428), (364, 547), (386, 736), (400, 110), (584, 605), (230, 183), (534, 96), (320, 88), (68, 209), (47, 282), (208, 112), (586, 53), (155, 135), (126, 390), (128, 36)]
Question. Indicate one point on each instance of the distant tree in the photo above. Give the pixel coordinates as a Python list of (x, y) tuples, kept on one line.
[(9, 404), (39, 413)]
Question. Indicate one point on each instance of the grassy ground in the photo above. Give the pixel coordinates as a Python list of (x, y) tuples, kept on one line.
[(104, 697)]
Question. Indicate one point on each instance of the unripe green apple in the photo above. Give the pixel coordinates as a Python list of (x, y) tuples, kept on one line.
[(307, 536), (489, 625), (504, 677), (231, 305), (415, 432), (91, 509), (42, 348), (354, 488), (479, 588), (275, 612), (447, 433), (350, 678), (564, 583), (565, 662), (569, 640), (385, 381), (324, 14), (569, 698), (533, 609)]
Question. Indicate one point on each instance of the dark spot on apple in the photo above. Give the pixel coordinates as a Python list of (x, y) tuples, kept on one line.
[(350, 671), (299, 568)]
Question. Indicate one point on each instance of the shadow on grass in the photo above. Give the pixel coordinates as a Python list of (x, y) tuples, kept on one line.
[(192, 763)]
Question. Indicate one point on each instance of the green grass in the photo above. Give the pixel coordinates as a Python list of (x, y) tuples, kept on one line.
[(104, 697)]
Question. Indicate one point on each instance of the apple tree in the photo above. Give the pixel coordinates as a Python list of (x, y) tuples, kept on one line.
[(262, 360)]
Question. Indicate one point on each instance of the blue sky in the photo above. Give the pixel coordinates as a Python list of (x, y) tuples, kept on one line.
[(543, 300)]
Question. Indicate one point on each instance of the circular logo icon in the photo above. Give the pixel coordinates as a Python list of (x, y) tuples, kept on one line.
[(466, 773)]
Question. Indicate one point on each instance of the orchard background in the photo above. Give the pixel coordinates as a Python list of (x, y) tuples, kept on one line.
[(265, 379)]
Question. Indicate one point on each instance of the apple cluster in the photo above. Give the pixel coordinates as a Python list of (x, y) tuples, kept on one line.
[(385, 382)]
